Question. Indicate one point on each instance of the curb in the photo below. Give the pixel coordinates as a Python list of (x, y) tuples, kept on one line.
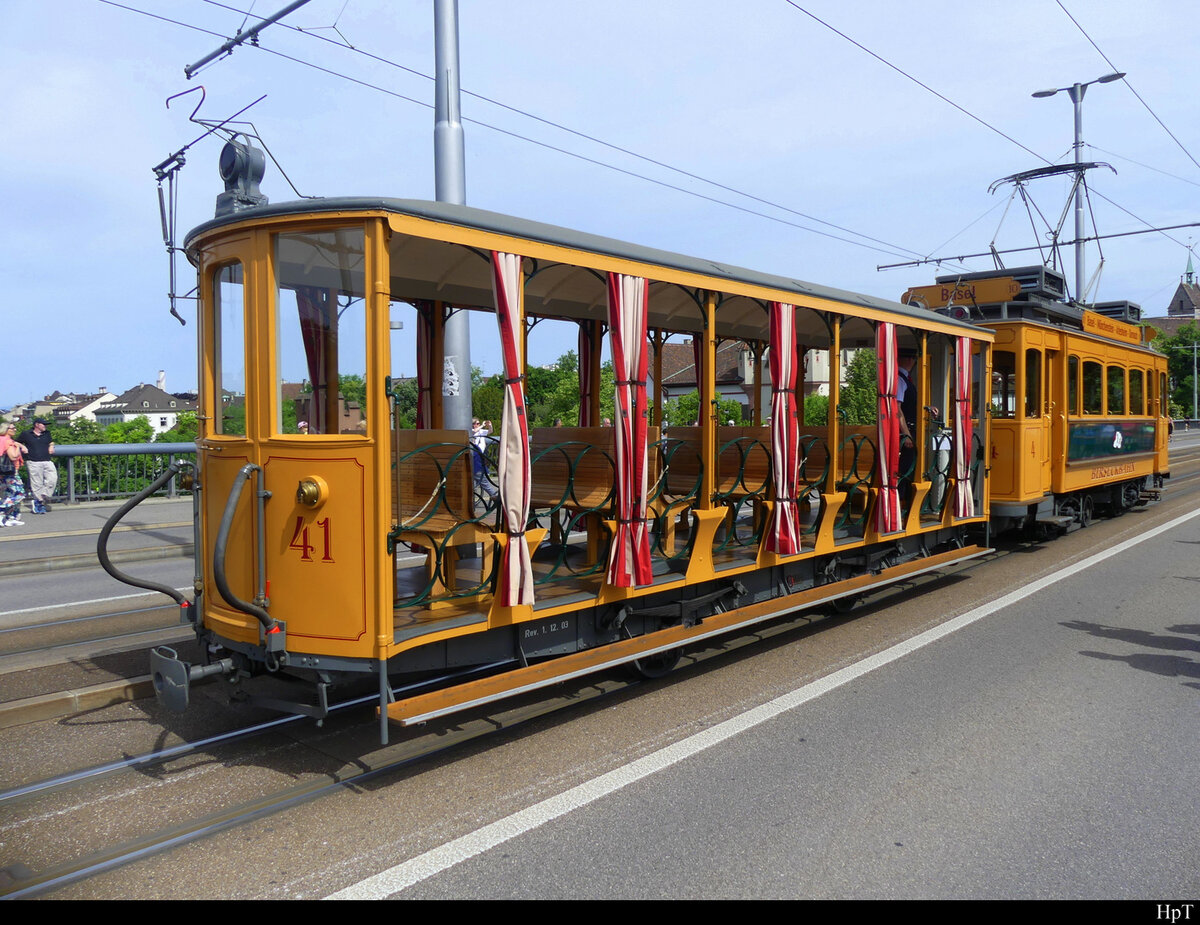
[(63, 703)]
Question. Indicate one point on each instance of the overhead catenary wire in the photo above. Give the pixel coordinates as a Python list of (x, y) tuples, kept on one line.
[(976, 118), (311, 32), (887, 248), (1128, 84)]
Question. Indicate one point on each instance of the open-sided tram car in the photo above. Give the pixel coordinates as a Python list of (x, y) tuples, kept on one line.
[(1077, 400), (372, 552)]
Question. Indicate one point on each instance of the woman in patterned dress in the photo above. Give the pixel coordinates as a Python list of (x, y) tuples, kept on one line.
[(12, 489)]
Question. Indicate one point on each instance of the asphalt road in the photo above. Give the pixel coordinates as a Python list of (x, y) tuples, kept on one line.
[(1042, 752)]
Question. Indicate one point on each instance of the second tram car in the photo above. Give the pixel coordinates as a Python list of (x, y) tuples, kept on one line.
[(1077, 399)]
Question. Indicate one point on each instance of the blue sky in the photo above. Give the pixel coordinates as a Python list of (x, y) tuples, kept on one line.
[(756, 96)]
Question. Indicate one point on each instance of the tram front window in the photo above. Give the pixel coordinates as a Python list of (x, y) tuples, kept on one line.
[(321, 330), (229, 349)]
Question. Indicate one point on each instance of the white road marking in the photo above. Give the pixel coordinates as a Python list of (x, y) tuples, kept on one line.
[(435, 861), (95, 600)]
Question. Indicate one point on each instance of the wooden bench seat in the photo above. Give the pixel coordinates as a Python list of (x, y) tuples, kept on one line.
[(574, 474), (433, 504)]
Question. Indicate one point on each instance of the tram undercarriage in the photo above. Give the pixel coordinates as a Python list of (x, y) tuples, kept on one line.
[(1059, 514), (645, 634)]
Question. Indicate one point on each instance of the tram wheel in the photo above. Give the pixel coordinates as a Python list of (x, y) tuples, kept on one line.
[(1087, 511), (844, 605), (657, 665)]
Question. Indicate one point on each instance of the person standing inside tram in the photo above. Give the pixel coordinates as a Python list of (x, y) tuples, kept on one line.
[(908, 400)]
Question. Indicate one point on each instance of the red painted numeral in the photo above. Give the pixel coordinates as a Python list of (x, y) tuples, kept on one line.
[(300, 540)]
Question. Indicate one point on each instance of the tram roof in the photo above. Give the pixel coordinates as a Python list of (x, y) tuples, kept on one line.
[(484, 220)]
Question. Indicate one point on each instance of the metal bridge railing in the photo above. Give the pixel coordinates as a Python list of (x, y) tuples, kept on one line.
[(98, 471)]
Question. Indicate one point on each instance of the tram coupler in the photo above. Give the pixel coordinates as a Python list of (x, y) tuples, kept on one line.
[(173, 677)]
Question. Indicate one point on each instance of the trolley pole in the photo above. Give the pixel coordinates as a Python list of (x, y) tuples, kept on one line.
[(450, 182)]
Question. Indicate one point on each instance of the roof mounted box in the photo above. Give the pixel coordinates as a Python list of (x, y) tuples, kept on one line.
[(1034, 281), (1126, 311)]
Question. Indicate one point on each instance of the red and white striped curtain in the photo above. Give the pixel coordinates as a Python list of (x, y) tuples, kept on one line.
[(629, 560), (425, 375), (964, 498), (516, 571), (586, 331), (888, 516), (783, 537)]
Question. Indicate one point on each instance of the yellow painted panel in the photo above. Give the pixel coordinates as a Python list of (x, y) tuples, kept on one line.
[(1003, 476), (317, 557)]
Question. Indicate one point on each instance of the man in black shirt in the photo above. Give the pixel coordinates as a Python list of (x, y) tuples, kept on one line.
[(43, 474)]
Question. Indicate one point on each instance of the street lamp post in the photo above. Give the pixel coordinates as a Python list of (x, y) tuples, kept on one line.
[(450, 182), (1076, 92)]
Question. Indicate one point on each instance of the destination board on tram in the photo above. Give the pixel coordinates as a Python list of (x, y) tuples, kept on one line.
[(975, 292), (1094, 323)]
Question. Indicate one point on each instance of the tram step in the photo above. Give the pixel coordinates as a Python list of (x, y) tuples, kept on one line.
[(1056, 521)]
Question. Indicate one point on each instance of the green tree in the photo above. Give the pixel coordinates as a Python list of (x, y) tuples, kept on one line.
[(187, 428), (353, 388), (1178, 348), (553, 393), (136, 431), (487, 400), (406, 394), (79, 431), (816, 410), (859, 398), (684, 411)]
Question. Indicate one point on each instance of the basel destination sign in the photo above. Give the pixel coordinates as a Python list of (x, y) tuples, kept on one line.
[(978, 292)]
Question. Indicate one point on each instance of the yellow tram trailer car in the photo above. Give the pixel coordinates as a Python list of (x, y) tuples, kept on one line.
[(312, 572), (1078, 400)]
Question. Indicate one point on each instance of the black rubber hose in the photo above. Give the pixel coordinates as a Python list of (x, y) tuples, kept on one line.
[(106, 530), (235, 494)]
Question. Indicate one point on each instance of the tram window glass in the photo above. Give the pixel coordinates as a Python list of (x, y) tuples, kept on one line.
[(321, 327), (1137, 396), (1073, 385), (1093, 387), (1116, 390), (1033, 383), (1004, 384), (229, 351)]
